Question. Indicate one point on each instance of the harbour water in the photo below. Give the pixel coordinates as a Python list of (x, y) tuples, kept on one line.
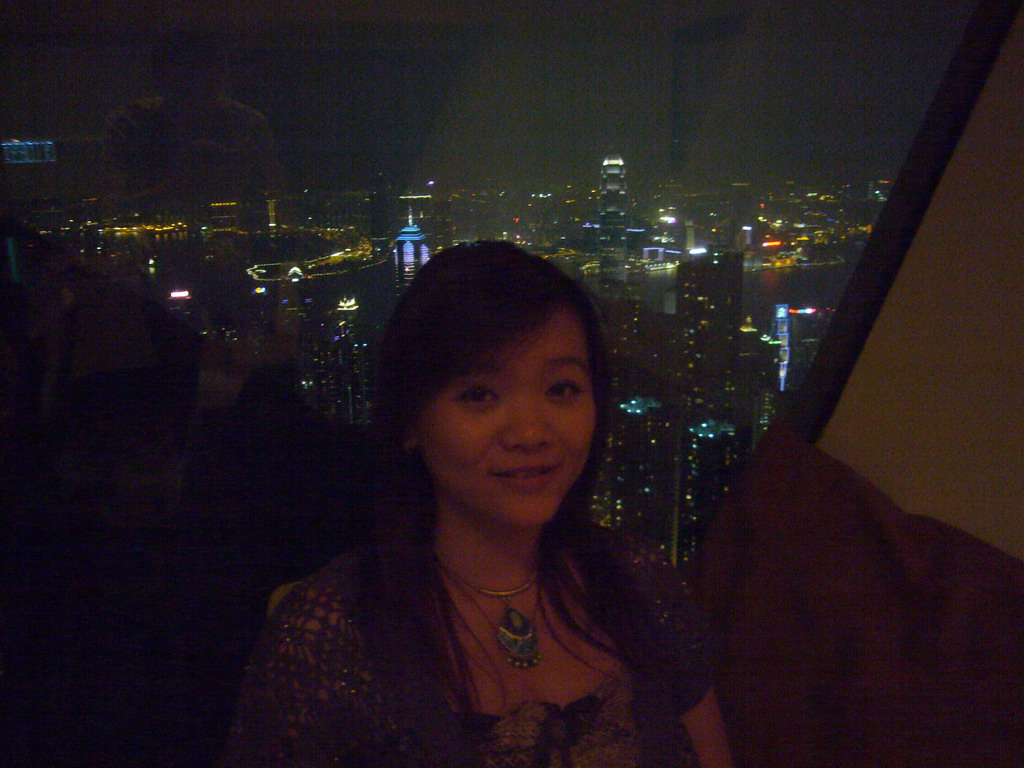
[(807, 286)]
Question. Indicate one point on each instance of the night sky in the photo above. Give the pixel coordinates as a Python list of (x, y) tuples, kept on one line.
[(701, 93)]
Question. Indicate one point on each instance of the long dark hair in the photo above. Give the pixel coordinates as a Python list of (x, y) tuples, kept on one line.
[(465, 303)]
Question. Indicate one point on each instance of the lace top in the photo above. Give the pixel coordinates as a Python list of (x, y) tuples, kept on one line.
[(317, 694), (596, 731)]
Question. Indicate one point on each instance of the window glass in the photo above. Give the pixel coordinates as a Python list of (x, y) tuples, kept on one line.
[(271, 177), (207, 211)]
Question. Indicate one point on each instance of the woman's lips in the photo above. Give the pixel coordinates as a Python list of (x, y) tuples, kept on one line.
[(526, 479), (524, 471)]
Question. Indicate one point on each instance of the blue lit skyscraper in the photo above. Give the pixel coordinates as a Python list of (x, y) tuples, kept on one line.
[(411, 253)]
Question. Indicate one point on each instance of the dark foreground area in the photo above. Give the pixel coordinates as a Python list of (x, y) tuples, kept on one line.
[(141, 538)]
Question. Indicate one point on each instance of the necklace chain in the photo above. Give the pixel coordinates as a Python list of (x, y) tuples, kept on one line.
[(516, 634), (500, 594)]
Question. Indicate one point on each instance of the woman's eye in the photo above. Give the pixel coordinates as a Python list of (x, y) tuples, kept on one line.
[(564, 390), (476, 394)]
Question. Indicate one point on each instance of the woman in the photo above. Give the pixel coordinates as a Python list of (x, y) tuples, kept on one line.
[(489, 622)]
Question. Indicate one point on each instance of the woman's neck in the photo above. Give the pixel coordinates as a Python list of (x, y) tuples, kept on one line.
[(492, 559)]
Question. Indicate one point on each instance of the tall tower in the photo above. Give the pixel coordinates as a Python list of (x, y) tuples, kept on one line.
[(411, 253), (612, 211)]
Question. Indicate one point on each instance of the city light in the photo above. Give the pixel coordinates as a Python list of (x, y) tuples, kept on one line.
[(16, 151), (639, 405), (646, 429)]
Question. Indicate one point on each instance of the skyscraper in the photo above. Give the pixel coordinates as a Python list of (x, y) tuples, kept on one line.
[(335, 363), (709, 314), (612, 210), (411, 253)]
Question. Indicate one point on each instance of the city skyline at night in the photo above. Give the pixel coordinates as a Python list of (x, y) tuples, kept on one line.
[(253, 177), (315, 276), (796, 225)]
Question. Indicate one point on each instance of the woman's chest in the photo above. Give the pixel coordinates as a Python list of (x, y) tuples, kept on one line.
[(568, 667)]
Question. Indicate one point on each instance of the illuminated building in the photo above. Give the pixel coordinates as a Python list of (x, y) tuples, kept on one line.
[(411, 253), (36, 175), (612, 211), (639, 480), (679, 431), (712, 452), (638, 485), (782, 335), (289, 304), (757, 391), (878, 190), (798, 333), (336, 364), (16, 151), (709, 286)]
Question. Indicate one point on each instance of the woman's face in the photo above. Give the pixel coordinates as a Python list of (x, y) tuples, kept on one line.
[(504, 444)]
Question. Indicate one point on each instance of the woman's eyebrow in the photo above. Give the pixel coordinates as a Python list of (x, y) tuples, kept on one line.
[(559, 362)]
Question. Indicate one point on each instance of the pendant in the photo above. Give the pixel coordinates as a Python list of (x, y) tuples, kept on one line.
[(518, 636)]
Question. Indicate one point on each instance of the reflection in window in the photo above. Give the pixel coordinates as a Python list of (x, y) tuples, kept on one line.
[(711, 174)]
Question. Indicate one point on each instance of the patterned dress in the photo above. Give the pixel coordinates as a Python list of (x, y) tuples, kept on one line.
[(317, 694)]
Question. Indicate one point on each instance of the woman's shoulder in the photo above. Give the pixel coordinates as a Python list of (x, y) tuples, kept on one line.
[(321, 607)]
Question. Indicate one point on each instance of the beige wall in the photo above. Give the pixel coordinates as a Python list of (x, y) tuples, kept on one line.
[(934, 411)]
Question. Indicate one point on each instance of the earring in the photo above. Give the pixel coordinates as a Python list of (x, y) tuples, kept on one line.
[(410, 445)]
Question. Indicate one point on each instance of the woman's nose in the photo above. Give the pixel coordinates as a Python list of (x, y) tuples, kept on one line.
[(525, 426)]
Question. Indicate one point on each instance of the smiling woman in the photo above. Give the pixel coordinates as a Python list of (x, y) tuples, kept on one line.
[(489, 622), (504, 444), (759, 140)]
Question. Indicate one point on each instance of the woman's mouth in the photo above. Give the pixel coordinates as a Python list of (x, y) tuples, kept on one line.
[(523, 472), (526, 479)]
